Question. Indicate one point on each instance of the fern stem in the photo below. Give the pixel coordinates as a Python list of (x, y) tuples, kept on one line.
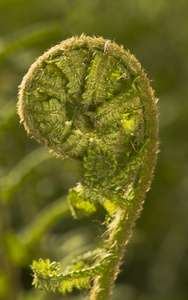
[(104, 284), (120, 230)]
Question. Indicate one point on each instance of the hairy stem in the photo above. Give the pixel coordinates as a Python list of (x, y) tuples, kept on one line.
[(121, 228), (120, 231)]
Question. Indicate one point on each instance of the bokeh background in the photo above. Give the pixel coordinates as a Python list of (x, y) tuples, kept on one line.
[(34, 217)]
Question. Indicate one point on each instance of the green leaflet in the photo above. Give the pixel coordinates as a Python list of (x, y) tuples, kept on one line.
[(48, 275), (79, 206)]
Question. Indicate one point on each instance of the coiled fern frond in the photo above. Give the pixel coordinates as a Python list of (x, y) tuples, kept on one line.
[(89, 100)]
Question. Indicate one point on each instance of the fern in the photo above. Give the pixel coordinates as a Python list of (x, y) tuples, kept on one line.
[(88, 99), (48, 275)]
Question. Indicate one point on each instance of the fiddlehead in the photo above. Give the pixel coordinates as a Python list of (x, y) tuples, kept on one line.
[(88, 99)]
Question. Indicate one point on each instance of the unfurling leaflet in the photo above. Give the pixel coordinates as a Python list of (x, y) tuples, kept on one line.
[(88, 99)]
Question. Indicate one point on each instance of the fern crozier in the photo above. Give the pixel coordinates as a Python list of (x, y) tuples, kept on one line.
[(89, 100)]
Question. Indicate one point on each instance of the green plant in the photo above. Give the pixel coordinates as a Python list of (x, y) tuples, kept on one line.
[(88, 99)]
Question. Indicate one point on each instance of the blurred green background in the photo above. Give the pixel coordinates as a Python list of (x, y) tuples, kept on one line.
[(34, 217)]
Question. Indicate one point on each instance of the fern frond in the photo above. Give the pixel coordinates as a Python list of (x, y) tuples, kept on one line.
[(47, 276), (89, 100)]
